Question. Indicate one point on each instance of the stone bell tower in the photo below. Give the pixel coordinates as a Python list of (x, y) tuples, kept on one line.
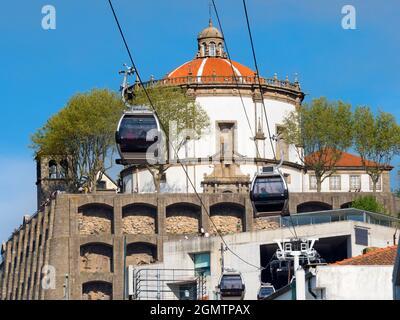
[(51, 176)]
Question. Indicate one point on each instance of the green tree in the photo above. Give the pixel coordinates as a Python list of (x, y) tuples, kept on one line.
[(368, 203), (83, 133), (377, 140), (182, 118), (321, 131)]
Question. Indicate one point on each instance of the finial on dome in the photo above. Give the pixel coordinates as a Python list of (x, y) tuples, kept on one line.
[(210, 42)]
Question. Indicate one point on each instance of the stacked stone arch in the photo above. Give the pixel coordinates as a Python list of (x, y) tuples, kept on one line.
[(97, 290), (139, 218), (95, 219), (227, 218), (183, 218)]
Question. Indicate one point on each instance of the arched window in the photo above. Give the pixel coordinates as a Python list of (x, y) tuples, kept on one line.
[(212, 49), (52, 169), (220, 49), (63, 169)]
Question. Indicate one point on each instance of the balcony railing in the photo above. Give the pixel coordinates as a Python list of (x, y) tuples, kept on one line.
[(330, 216), (228, 80)]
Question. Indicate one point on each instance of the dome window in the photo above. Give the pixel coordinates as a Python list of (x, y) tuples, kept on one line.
[(212, 49)]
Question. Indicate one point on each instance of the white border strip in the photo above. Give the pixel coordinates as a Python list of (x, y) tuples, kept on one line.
[(234, 68)]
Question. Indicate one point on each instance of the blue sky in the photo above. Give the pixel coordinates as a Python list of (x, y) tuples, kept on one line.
[(40, 70)]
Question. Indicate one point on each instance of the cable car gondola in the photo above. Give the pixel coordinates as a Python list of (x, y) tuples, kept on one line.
[(231, 286), (269, 193), (138, 129)]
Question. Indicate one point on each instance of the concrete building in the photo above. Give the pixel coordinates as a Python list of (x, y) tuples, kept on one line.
[(83, 237), (364, 277)]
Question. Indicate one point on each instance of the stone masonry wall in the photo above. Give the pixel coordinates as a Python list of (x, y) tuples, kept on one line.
[(227, 218), (140, 254), (265, 224), (139, 220), (97, 291), (182, 220), (95, 220), (96, 258), (226, 224)]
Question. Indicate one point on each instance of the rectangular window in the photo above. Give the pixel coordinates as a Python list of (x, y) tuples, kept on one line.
[(101, 185), (335, 183), (313, 183), (378, 184), (355, 182), (361, 235), (202, 263)]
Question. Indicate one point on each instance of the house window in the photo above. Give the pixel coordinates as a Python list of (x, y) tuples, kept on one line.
[(313, 183), (335, 183), (361, 235), (355, 182), (378, 184), (202, 263), (101, 185)]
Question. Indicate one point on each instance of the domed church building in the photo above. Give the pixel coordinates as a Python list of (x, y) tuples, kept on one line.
[(237, 144)]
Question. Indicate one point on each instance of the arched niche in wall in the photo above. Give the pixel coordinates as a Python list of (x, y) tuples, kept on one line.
[(313, 206), (183, 218), (227, 217), (95, 218), (97, 290), (96, 257), (140, 253), (139, 218)]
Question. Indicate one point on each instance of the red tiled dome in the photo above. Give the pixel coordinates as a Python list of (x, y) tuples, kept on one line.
[(207, 67)]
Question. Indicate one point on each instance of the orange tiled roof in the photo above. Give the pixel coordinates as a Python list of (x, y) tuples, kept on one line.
[(347, 160), (377, 257), (203, 67)]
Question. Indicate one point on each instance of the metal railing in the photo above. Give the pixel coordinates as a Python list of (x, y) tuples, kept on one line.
[(169, 284), (330, 216)]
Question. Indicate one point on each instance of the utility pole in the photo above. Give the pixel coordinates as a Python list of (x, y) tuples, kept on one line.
[(222, 258), (66, 287)]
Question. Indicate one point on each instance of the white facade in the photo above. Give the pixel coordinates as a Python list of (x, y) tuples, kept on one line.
[(355, 282), (238, 125), (225, 109)]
